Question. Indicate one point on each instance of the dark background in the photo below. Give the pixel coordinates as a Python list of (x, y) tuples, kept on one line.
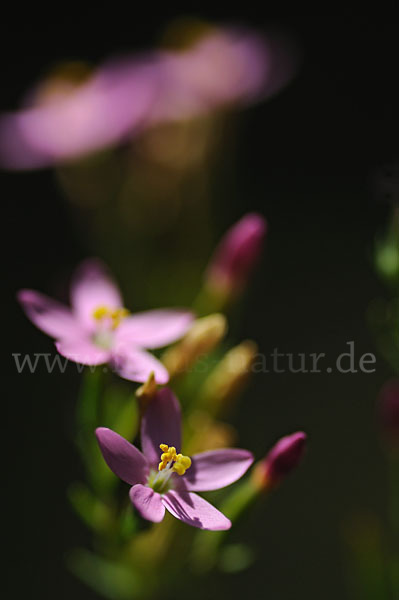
[(307, 159)]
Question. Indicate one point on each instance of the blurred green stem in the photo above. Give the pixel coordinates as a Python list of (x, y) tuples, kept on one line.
[(208, 543), (88, 401)]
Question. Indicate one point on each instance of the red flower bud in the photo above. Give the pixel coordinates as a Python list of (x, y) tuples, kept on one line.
[(236, 255), (285, 456)]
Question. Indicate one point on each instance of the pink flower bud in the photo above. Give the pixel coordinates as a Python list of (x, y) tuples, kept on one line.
[(237, 253), (285, 456), (389, 412)]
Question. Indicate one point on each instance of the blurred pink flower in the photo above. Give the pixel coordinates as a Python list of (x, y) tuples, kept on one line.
[(97, 329), (124, 96), (169, 480), (236, 255), (93, 115), (227, 66)]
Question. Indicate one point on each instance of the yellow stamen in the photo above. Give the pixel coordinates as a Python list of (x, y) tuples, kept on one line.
[(100, 312), (181, 462), (115, 315)]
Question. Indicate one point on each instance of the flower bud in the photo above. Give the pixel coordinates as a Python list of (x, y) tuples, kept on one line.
[(229, 377), (146, 392), (206, 433), (236, 256), (280, 461), (389, 412), (204, 335)]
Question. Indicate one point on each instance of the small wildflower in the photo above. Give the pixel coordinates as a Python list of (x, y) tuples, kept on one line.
[(98, 329), (163, 478)]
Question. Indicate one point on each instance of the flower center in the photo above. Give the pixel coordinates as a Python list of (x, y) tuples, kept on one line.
[(108, 320), (171, 462), (110, 316)]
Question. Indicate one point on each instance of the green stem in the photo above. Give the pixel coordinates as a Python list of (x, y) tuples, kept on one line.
[(87, 411), (207, 543)]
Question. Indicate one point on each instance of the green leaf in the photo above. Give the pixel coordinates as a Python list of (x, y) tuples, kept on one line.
[(116, 581), (95, 513), (128, 523)]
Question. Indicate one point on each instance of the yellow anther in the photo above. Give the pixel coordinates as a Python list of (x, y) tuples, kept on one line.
[(100, 312), (168, 455), (181, 462), (115, 316)]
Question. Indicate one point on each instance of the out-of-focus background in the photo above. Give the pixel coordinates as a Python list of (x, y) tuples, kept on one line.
[(305, 158)]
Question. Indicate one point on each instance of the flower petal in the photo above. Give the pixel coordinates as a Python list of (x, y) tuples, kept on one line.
[(161, 424), (82, 350), (50, 316), (195, 511), (136, 365), (155, 328), (217, 468), (147, 503), (92, 286), (123, 458)]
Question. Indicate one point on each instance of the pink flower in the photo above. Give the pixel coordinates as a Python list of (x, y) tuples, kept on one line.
[(224, 67), (283, 458), (236, 255), (71, 123), (98, 329), (161, 477), (124, 96)]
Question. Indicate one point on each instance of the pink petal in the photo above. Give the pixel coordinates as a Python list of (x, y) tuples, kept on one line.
[(195, 511), (147, 503), (93, 286), (136, 365), (97, 114), (217, 468), (81, 350), (161, 424), (123, 458), (155, 328), (50, 316)]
